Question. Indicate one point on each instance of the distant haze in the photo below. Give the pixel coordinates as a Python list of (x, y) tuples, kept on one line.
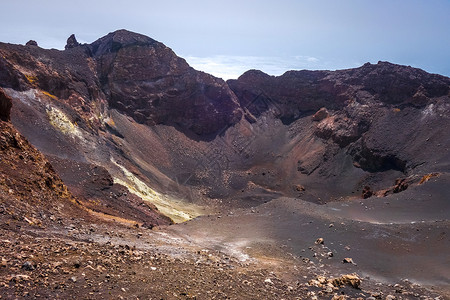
[(226, 38)]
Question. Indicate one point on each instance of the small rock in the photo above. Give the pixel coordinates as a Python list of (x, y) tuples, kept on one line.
[(376, 295), (299, 188), (390, 297), (77, 264), (73, 279), (330, 254), (348, 260), (28, 266), (339, 297), (268, 281), (319, 241)]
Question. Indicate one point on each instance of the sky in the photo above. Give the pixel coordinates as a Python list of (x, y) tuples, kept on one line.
[(227, 38)]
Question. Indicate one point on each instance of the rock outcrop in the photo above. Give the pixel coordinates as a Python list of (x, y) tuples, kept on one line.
[(146, 80), (72, 42), (31, 43), (5, 106)]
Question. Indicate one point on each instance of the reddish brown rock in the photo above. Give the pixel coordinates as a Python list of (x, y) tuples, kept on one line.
[(367, 192), (348, 279), (320, 114)]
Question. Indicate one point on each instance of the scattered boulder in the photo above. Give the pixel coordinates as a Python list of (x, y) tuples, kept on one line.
[(320, 114), (28, 266), (299, 188), (72, 42), (31, 43), (367, 192), (349, 279), (319, 241), (348, 260)]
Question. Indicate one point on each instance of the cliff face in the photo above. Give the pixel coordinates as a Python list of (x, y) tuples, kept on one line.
[(133, 73), (147, 81), (297, 93)]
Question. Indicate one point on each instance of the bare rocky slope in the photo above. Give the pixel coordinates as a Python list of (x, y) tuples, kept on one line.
[(140, 138)]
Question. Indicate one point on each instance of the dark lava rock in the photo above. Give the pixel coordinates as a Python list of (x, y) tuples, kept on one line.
[(301, 92), (5, 106), (31, 43), (28, 266), (367, 192), (149, 82), (72, 42)]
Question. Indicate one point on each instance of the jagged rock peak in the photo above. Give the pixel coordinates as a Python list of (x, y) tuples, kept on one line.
[(31, 43), (118, 39), (72, 42), (5, 106)]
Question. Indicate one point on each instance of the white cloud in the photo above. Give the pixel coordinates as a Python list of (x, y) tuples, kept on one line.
[(231, 67)]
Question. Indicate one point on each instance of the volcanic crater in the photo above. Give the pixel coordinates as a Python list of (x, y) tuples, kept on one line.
[(126, 173)]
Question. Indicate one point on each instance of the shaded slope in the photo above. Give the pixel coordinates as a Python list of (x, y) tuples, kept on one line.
[(379, 122), (32, 178)]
